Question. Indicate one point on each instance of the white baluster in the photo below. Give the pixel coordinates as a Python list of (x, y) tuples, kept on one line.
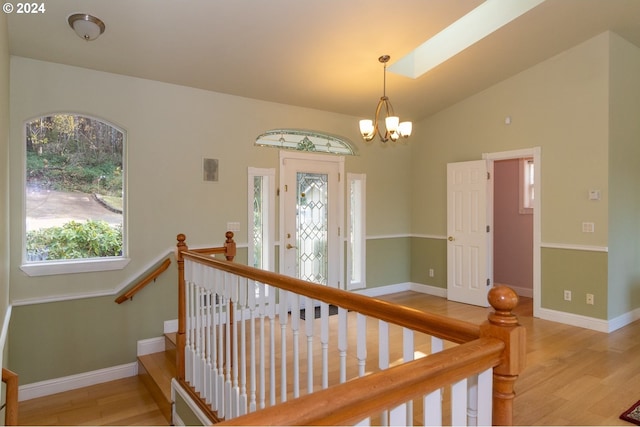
[(251, 297), (472, 400), (262, 311), (485, 397), (408, 354), (282, 315), (308, 304), (459, 403), (324, 340), (187, 345), (227, 384), (432, 412), (235, 388), (242, 310), (215, 319), (198, 354), (271, 311), (221, 324), (361, 344), (342, 342), (207, 339), (295, 329), (383, 359), (398, 416)]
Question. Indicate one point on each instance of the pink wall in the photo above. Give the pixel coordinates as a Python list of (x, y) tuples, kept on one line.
[(512, 231)]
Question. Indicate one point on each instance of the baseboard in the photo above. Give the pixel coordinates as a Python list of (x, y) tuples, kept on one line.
[(72, 382), (151, 345), (624, 320), (571, 319), (403, 287), (170, 326)]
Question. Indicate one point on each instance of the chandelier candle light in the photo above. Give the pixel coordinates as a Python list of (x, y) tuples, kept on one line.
[(394, 129)]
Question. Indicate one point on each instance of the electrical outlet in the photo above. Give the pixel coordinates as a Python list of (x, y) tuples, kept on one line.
[(590, 299), (431, 273), (567, 295)]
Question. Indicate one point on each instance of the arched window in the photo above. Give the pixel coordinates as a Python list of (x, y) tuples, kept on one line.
[(74, 195), (306, 140)]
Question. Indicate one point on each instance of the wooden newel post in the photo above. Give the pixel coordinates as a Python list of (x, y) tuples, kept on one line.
[(182, 307), (230, 246), (503, 325)]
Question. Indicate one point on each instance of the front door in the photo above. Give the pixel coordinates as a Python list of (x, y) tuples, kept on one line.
[(468, 255), (311, 211)]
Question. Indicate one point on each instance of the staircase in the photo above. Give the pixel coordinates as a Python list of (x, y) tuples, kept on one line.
[(156, 371)]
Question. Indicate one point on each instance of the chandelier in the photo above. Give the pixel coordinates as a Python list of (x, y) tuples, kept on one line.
[(394, 129)]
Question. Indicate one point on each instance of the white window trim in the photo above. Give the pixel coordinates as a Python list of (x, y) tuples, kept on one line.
[(48, 268), (524, 186), (361, 236), (269, 182)]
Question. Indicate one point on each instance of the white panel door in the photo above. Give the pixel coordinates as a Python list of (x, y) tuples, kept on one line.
[(468, 256)]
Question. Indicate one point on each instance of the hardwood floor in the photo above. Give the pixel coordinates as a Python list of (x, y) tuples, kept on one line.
[(125, 402), (574, 376)]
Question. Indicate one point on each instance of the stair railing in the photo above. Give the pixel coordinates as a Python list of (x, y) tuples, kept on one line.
[(152, 276), (240, 370)]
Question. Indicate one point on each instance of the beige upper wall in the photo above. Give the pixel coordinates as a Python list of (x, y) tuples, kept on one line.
[(170, 129), (624, 166), (560, 105)]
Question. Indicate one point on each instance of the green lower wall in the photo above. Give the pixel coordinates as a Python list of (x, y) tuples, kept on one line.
[(426, 254), (58, 339), (580, 272), (388, 261), (185, 413)]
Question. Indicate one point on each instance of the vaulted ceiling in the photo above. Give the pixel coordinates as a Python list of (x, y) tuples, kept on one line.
[(320, 54)]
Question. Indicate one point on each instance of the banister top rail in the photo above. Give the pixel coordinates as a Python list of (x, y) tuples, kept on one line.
[(454, 330), (144, 282), (228, 249), (385, 389)]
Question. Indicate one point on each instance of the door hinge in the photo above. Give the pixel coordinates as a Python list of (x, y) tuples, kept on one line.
[(488, 175), (277, 191), (338, 231), (286, 188), (488, 282), (339, 177), (488, 228)]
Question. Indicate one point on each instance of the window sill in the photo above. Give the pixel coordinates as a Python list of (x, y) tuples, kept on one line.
[(49, 268)]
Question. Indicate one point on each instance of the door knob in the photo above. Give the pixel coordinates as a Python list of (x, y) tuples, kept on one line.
[(290, 246), (451, 238)]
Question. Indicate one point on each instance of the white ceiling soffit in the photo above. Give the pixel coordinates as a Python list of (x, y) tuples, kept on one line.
[(471, 28)]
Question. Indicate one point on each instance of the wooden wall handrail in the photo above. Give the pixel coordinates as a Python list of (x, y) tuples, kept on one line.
[(454, 330), (144, 282), (385, 390), (11, 408)]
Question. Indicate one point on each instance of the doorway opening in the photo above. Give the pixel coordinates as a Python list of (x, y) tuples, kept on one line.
[(516, 238)]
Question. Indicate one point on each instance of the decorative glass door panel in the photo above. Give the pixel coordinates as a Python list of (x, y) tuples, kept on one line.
[(312, 227)]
